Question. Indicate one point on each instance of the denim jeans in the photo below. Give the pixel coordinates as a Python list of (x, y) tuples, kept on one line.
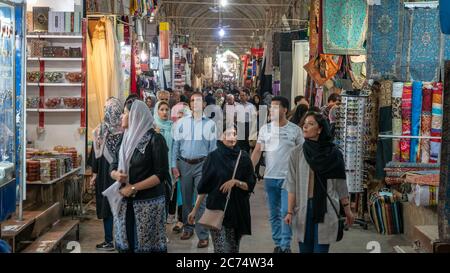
[(311, 242), (108, 227), (278, 203)]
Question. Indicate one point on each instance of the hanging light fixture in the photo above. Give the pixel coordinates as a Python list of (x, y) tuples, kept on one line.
[(221, 32), (144, 55)]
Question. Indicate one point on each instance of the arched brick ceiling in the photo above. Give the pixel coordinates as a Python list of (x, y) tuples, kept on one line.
[(253, 17)]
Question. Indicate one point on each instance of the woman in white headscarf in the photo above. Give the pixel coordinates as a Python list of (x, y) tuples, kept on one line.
[(142, 166), (107, 137)]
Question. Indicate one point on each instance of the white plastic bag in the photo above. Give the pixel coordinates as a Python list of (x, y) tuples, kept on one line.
[(114, 197)]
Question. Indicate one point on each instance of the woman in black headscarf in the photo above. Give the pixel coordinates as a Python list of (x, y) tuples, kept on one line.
[(315, 166), (217, 181)]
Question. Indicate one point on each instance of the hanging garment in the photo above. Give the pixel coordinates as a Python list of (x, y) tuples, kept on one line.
[(384, 39), (322, 68), (358, 71), (314, 15), (397, 119), (268, 52), (94, 106), (100, 65), (276, 43), (425, 129), (415, 120), (285, 73), (444, 14), (421, 46), (113, 53), (133, 77), (344, 26), (299, 75), (436, 123), (405, 144), (164, 51)]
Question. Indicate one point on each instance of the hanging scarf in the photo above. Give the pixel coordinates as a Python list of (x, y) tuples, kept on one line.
[(140, 122), (108, 133), (327, 162)]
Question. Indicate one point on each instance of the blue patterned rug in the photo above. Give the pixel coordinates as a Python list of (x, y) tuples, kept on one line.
[(384, 40), (422, 45), (345, 26)]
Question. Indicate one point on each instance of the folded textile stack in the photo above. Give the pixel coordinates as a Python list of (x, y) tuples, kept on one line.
[(386, 213), (430, 178), (396, 171)]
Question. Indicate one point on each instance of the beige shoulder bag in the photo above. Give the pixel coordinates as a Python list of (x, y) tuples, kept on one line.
[(213, 219)]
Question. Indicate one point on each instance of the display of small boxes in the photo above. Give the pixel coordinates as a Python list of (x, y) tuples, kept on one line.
[(56, 22), (40, 19), (55, 51)]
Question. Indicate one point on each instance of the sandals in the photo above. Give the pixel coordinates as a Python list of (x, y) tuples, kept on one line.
[(178, 227)]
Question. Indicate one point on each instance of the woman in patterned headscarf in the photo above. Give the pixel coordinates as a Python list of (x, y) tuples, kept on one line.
[(107, 138)]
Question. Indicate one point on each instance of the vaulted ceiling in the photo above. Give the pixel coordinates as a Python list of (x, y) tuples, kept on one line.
[(244, 21)]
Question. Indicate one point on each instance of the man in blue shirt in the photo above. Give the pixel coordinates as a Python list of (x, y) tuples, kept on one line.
[(194, 138)]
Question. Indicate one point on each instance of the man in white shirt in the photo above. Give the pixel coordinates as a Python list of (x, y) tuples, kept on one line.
[(278, 139), (246, 120)]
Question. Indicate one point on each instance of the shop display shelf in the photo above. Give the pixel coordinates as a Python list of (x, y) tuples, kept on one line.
[(61, 110), (53, 59), (53, 36), (409, 137), (54, 84), (74, 171)]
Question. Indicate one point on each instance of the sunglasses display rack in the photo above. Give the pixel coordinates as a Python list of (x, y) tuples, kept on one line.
[(351, 132)]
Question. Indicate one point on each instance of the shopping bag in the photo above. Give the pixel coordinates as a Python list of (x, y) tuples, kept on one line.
[(114, 197)]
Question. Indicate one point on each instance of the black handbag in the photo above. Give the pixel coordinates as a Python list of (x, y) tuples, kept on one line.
[(341, 220)]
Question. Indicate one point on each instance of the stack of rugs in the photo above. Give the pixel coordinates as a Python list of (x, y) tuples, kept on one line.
[(386, 213), (417, 111), (395, 171)]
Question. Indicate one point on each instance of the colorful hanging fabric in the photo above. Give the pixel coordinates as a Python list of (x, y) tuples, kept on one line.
[(415, 120), (133, 77), (344, 26), (384, 39), (314, 15), (133, 6), (444, 15), (397, 119), (436, 123), (164, 51), (406, 121), (422, 45), (425, 129)]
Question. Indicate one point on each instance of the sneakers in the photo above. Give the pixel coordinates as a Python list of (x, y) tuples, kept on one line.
[(105, 247), (171, 219), (277, 250)]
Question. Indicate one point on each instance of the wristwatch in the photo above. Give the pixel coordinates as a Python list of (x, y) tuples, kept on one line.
[(135, 191)]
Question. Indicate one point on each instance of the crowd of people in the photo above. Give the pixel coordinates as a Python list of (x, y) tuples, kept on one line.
[(177, 154)]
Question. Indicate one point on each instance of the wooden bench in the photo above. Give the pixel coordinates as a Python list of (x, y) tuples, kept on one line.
[(52, 239)]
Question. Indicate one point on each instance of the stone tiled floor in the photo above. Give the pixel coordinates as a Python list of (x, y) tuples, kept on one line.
[(356, 240)]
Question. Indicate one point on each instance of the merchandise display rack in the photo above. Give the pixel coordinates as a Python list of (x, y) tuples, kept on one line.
[(42, 64), (351, 131)]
